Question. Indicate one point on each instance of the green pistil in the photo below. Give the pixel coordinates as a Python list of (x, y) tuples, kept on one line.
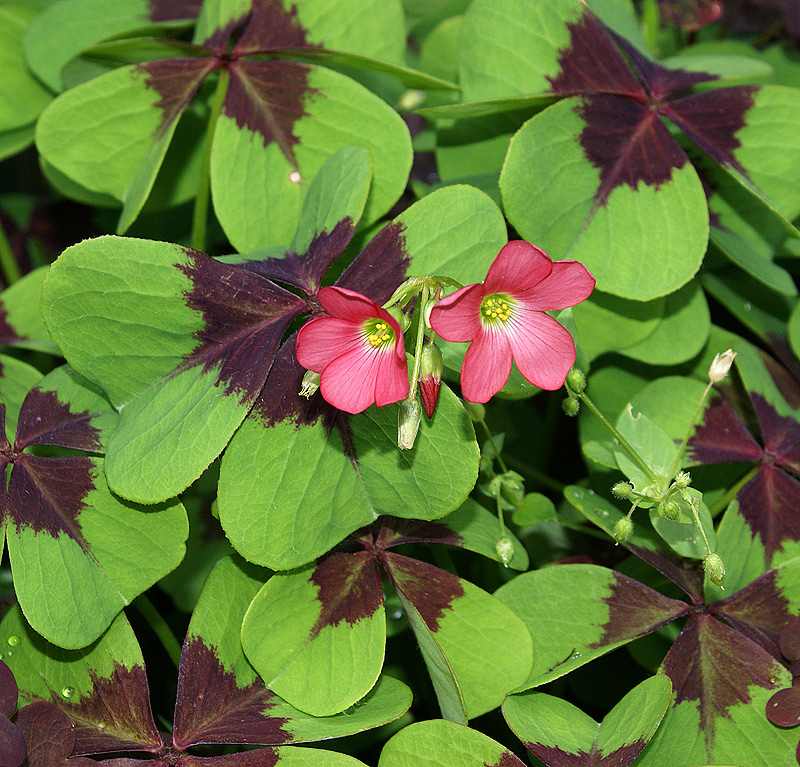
[(497, 309), (378, 333)]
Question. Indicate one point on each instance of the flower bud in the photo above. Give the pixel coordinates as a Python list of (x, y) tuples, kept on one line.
[(570, 406), (714, 568), (512, 488), (475, 410), (430, 377), (576, 381), (623, 530), (669, 510), (408, 417), (309, 384), (683, 479), (721, 365), (622, 490), (505, 549), (402, 319)]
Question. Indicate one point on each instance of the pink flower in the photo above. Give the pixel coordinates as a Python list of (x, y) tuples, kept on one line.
[(358, 351), (504, 318)]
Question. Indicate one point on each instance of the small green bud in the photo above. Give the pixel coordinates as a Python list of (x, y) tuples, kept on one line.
[(400, 317), (570, 406), (309, 384), (505, 549), (512, 488), (669, 510), (623, 530), (683, 479), (475, 410), (408, 417), (622, 490), (576, 381), (714, 568)]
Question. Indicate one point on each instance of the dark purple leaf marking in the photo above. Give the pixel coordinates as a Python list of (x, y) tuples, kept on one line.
[(593, 64), (689, 580), (260, 757), (396, 531), (432, 591), (212, 707), (12, 743), (349, 589), (628, 143), (507, 760), (555, 757), (49, 736), (759, 611), (783, 708), (268, 98), (769, 501), (44, 420), (714, 666), (174, 10), (634, 610), (305, 271), (8, 336), (271, 27), (789, 639), (712, 119), (8, 691), (245, 317), (176, 81), (115, 715)]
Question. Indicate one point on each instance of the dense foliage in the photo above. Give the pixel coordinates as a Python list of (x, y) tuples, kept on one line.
[(429, 368)]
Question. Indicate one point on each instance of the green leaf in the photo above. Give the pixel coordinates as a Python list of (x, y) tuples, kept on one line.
[(548, 601), (439, 743), (639, 244), (257, 193), (652, 444), (16, 140), (20, 304), (558, 732), (316, 641), (17, 379), (683, 535), (287, 494), (22, 96), (536, 508)]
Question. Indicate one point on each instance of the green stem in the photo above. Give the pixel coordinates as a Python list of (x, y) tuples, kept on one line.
[(500, 514), (637, 459), (200, 217), (733, 491), (160, 628), (536, 475), (8, 264), (423, 300), (676, 463), (700, 526), (494, 446)]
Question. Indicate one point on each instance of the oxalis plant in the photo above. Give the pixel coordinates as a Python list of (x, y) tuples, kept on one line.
[(417, 377)]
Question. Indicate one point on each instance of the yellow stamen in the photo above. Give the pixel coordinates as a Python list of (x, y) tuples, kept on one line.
[(497, 307)]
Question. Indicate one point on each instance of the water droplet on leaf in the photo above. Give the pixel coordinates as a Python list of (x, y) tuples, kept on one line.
[(295, 177), (68, 692), (13, 640)]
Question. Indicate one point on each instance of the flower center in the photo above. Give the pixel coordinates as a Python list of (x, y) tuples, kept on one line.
[(379, 333), (497, 309)]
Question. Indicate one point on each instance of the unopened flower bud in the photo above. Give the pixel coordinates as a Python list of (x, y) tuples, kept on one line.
[(475, 410), (309, 384), (408, 418), (623, 530), (669, 510), (430, 377), (512, 488), (683, 479), (505, 549), (576, 381), (714, 568), (402, 319), (721, 365), (622, 490), (570, 406)]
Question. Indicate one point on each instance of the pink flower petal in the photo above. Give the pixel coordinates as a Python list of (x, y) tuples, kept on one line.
[(348, 383), (487, 365), (323, 339), (568, 284), (518, 266), (391, 381), (457, 317), (543, 350), (348, 305)]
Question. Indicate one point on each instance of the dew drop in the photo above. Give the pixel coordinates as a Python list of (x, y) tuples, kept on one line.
[(295, 177), (397, 614), (577, 493), (576, 655), (773, 680), (602, 513), (101, 725), (9, 654), (747, 307), (13, 640), (68, 692)]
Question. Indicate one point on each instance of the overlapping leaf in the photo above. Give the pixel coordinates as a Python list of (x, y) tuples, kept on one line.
[(316, 635), (64, 526), (280, 119)]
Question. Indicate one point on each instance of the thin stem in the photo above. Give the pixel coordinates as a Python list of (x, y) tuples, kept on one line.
[(200, 217), (674, 468), (8, 264), (160, 628), (500, 514), (423, 299), (494, 446), (536, 475), (619, 438), (696, 516), (733, 491)]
